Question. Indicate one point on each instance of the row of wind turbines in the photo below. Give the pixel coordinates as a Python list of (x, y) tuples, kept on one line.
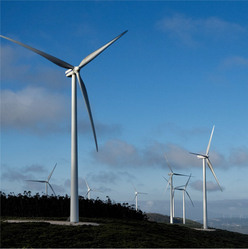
[(73, 72), (47, 183), (89, 189), (205, 158)]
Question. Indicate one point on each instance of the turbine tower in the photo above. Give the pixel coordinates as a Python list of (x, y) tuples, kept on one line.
[(183, 188), (205, 157), (46, 181), (170, 182), (73, 72), (136, 193)]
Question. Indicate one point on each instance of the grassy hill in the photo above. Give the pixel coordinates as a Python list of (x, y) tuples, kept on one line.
[(120, 226), (115, 233), (177, 220)]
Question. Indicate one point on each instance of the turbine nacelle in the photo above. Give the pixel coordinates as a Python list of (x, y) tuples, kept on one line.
[(70, 72), (201, 156)]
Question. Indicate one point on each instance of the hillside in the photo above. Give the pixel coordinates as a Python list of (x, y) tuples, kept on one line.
[(120, 226), (115, 233), (166, 219)]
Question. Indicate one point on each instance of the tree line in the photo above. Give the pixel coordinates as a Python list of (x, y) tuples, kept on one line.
[(28, 205)]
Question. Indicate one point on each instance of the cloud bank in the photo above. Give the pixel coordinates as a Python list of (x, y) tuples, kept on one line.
[(211, 186), (32, 108), (120, 154)]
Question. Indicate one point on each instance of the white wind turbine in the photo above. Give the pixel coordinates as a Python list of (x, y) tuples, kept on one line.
[(183, 188), (89, 189), (205, 157), (46, 181), (172, 206), (136, 193), (73, 72), (170, 182)]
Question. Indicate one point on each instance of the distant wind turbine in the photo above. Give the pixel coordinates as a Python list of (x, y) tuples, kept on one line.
[(73, 72), (89, 189), (183, 188), (46, 181), (136, 193), (172, 200), (170, 182), (205, 157)]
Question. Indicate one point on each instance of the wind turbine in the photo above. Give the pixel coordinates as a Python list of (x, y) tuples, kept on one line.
[(183, 188), (205, 157), (73, 72), (136, 193), (46, 181), (170, 182), (89, 190)]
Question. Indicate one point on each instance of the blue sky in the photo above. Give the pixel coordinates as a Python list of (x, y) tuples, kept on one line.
[(181, 68)]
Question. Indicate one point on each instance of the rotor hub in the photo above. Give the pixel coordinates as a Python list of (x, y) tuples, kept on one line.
[(70, 72)]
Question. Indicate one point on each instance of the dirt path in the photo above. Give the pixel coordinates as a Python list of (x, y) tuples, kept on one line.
[(54, 222)]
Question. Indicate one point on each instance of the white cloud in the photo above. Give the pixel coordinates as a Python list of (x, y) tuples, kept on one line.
[(104, 177), (10, 67), (211, 186), (239, 156), (19, 68), (39, 110), (190, 31), (12, 175), (117, 153), (36, 168), (33, 109), (234, 61), (101, 128)]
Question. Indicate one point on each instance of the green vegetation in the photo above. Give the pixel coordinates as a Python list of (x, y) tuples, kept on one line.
[(27, 205)]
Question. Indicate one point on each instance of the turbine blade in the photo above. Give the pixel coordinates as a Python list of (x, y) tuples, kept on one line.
[(51, 188), (142, 193), (43, 54), (87, 185), (168, 163), (87, 103), (134, 188), (51, 173), (212, 170), (93, 55), (167, 185), (210, 139), (177, 174), (187, 182), (86, 195), (190, 198), (165, 179), (197, 154), (35, 181), (180, 187)]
